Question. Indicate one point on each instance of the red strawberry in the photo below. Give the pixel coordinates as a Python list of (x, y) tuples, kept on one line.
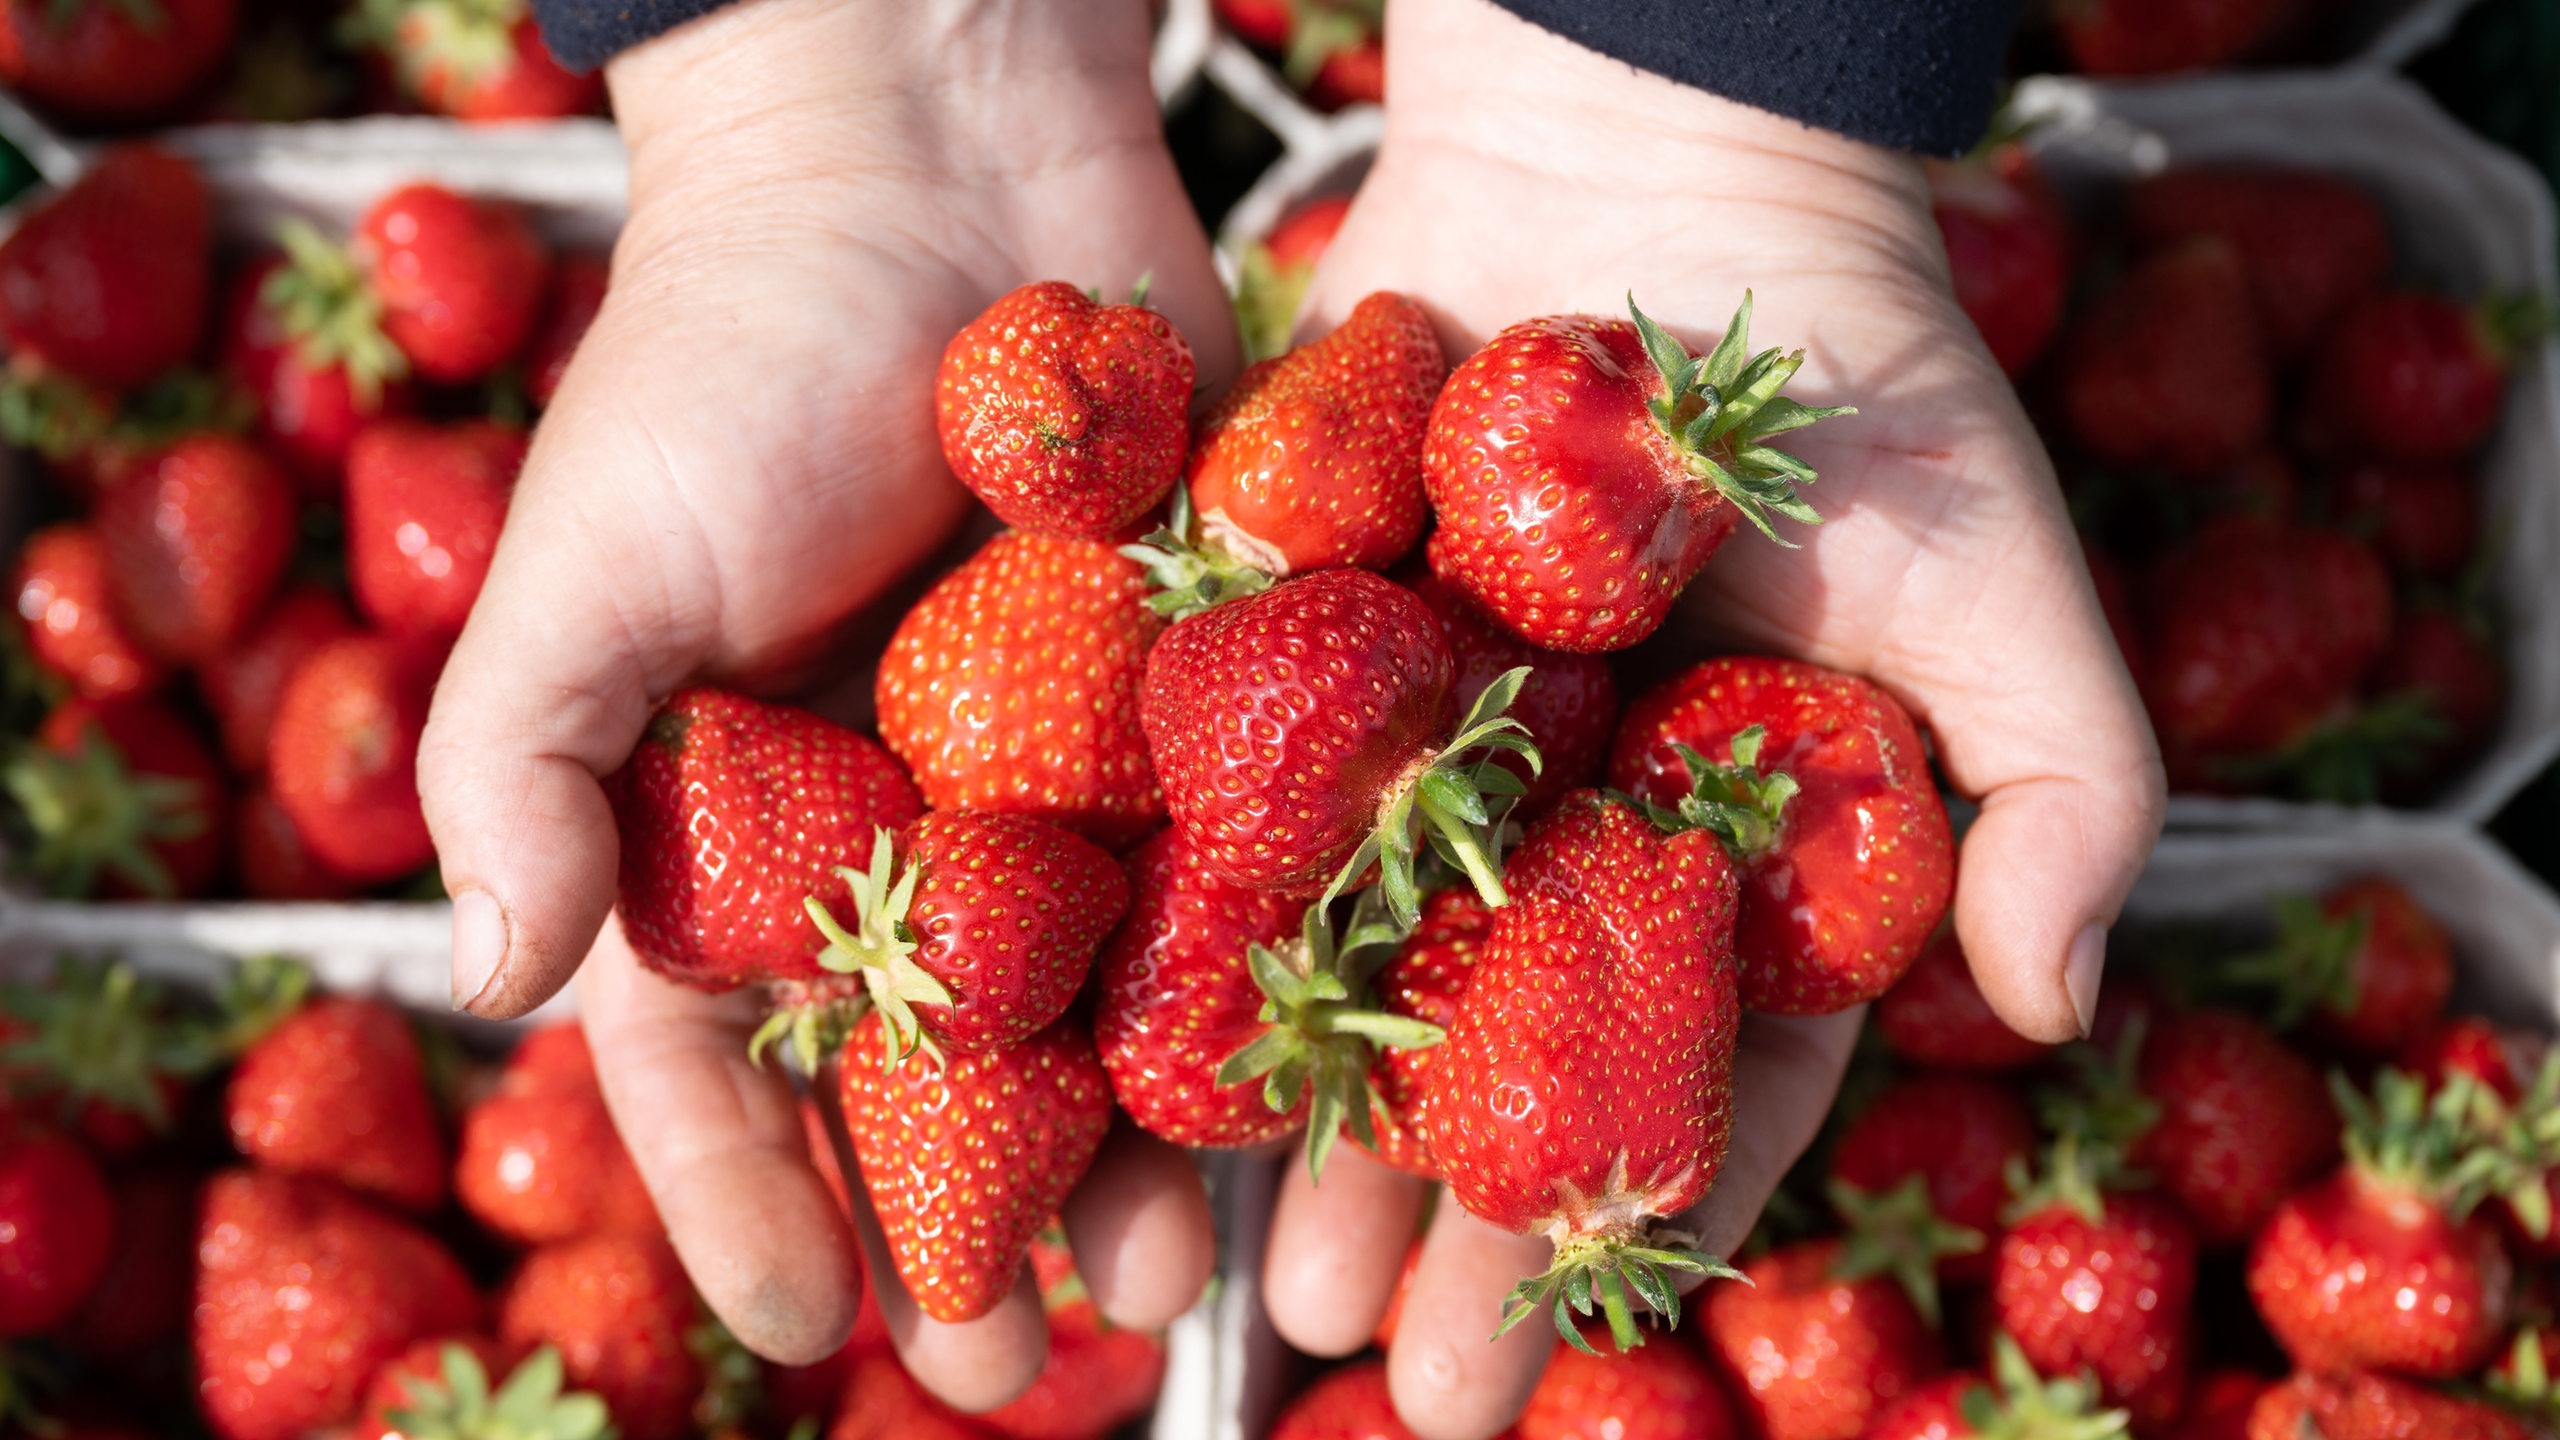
[(302, 1293), (2239, 1121), (2439, 661), (302, 336), (618, 1309), (1259, 22), (1314, 459), (1662, 1392), (2378, 1407), (1274, 275), (2383, 1265), (1936, 1015), (1300, 238), (1846, 860), (336, 1090), (242, 684), (113, 65), (142, 1297), (1335, 53), (2310, 243), (1819, 1342), (1393, 1318), (197, 539), (2168, 367), (108, 280), (539, 1159), (2008, 250), (1569, 703), (474, 62), (1959, 1138), (577, 293), (1097, 1379), (120, 797), (1012, 686), (1585, 1086), (424, 506), (460, 280), (883, 1402), (919, 1132), (72, 626), (2366, 966), (2162, 37), (2219, 1406), (95, 1045), (731, 813), (2464, 1045), (1348, 1403), (57, 1230), (2424, 517), (342, 756), (272, 862), (1426, 979), (2101, 1280), (974, 939), (2406, 375), (1581, 483), (1065, 415), (2014, 1404)]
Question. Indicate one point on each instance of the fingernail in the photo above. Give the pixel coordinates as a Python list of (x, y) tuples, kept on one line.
[(2082, 972), (479, 944)]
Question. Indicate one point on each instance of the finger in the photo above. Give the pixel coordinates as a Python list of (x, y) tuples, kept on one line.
[(1449, 1381), (719, 1144), (1786, 1073), (1139, 1226), (1336, 1250)]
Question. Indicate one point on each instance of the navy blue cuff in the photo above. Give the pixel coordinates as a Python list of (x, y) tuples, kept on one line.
[(584, 34)]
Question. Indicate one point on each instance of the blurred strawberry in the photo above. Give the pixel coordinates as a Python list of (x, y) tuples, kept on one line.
[(113, 63), (539, 1159), (425, 504), (143, 1296), (619, 1309), (72, 626), (2412, 375), (57, 1229), (272, 862), (2162, 37), (577, 293), (336, 1089), (343, 752), (1936, 1015), (2423, 517), (108, 279), (459, 279), (2310, 242), (197, 538), (473, 59), (120, 796), (2008, 249), (2167, 367), (242, 683)]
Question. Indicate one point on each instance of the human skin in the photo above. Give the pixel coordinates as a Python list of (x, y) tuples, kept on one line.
[(812, 217)]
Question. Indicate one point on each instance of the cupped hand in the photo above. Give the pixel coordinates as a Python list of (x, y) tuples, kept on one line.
[(741, 458), (1521, 175)]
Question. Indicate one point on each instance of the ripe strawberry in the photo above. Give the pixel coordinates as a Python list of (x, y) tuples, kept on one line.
[(577, 293), (1959, 1138), (241, 684), (1580, 535), (2464, 1045), (539, 1159), (1569, 703), (2147, 37), (113, 65), (2008, 250), (2407, 375), (1012, 686), (2526, 1379), (107, 281), (1936, 1015), (302, 1293), (2101, 1280), (2168, 367), (1065, 415), (342, 756), (731, 812), (272, 862), (1335, 54), (1098, 1377), (1662, 1392), (336, 1090), (1258, 22), (2219, 1405), (197, 539), (2310, 243), (2014, 1403), (617, 1308), (1274, 274), (479, 61), (469, 1385), (2384, 1265), (883, 1402), (1585, 1088), (2424, 517), (1314, 459), (1819, 1342), (919, 1132), (1299, 239), (57, 1229), (1306, 732), (1393, 1318), (94, 1045), (424, 506), (72, 626), (2365, 965), (1426, 980), (459, 280), (2378, 1407), (2238, 1121), (142, 1297), (302, 336), (1847, 863), (2439, 662), (122, 799), (978, 937), (1348, 1403)]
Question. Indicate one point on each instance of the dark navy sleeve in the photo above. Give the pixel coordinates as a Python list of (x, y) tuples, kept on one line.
[(584, 34)]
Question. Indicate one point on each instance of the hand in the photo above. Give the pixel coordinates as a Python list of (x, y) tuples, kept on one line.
[(1521, 175), (741, 458)]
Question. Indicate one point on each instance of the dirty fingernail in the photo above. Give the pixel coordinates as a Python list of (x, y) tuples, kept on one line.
[(2082, 972), (479, 944)]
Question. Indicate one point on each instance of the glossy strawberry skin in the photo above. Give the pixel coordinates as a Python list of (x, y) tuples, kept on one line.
[(2167, 368), (1349, 1403), (307, 414), (242, 684), (104, 66), (2310, 243), (425, 504), (2406, 375), (2424, 518), (1279, 722), (302, 1293), (2008, 251), (2143, 37), (109, 280), (1013, 685), (2463, 1045), (1598, 1033), (1864, 865), (2401, 975), (2111, 1294), (528, 85), (460, 279), (2356, 1273), (1569, 703), (618, 1307), (731, 812), (342, 756), (65, 597), (155, 743), (1065, 415), (1302, 236), (1426, 979), (1542, 463), (1934, 1410), (1810, 1356), (967, 1161), (882, 1402), (578, 285), (539, 1160), (2243, 1120), (1959, 1132), (1098, 1378), (1008, 913), (57, 1231), (1176, 999), (271, 860), (2378, 1407), (197, 539), (336, 1091), (1314, 459), (1659, 1392), (1936, 1015)]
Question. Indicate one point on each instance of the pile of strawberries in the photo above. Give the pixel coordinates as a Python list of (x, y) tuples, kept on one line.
[(2273, 448), (1332, 51), (361, 1229), (345, 424), (2149, 37), (2136, 1234)]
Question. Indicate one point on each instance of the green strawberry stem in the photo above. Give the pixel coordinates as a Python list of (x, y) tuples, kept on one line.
[(1445, 801), (2311, 963), (2525, 1136), (529, 1406), (91, 816), (464, 40), (52, 414), (252, 998), (882, 952), (324, 303), (1190, 575), (2525, 1383), (1266, 303), (2343, 760), (1741, 806), (2077, 1173), (1597, 1271), (99, 1032), (1717, 410), (1325, 28), (1897, 1232), (2027, 1406), (2447, 1144)]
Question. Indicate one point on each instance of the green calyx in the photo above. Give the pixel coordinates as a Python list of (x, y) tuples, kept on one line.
[(1897, 1232), (1720, 409), (90, 816), (880, 949), (62, 419), (531, 1405), (54, 415), (2095, 1121), (2525, 1383), (2311, 964), (732, 1380), (322, 301), (143, 15), (2345, 760), (2077, 1172), (2019, 1404), (1606, 1274), (1322, 29), (98, 1032), (1266, 302), (1189, 575), (461, 42), (2525, 1136), (1458, 803), (2448, 1144), (252, 998), (1322, 1029), (1744, 808)]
